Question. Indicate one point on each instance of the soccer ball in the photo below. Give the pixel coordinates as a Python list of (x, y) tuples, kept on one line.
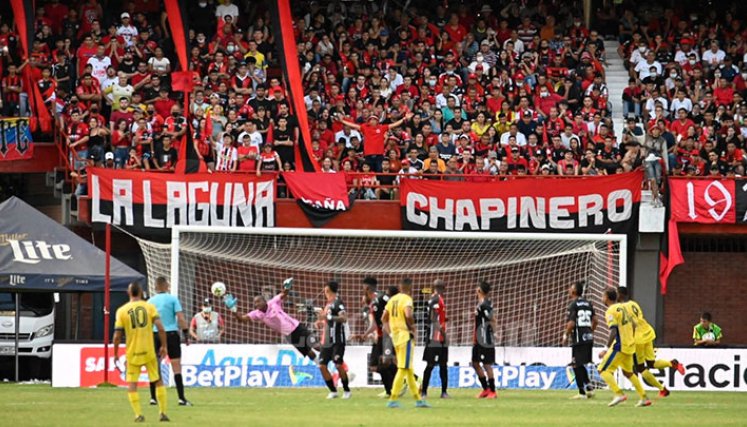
[(709, 336), (218, 289)]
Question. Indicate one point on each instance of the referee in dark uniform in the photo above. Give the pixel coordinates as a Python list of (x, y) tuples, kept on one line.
[(172, 317), (579, 329)]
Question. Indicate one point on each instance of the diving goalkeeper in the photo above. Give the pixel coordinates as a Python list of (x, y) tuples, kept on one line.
[(271, 313)]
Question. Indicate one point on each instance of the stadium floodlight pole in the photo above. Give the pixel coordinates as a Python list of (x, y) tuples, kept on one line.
[(621, 239)]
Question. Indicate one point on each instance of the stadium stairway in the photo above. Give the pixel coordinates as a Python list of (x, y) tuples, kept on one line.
[(651, 218), (617, 80)]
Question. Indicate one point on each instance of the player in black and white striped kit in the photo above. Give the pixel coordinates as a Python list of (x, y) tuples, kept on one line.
[(483, 350), (579, 329), (334, 339)]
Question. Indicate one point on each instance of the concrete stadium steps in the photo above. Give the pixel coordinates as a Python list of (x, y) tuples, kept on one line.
[(617, 80)]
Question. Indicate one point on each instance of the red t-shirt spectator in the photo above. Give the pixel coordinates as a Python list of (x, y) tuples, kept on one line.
[(373, 139)]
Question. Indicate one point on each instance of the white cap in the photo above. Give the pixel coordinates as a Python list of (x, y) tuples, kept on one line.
[(109, 156), (124, 15)]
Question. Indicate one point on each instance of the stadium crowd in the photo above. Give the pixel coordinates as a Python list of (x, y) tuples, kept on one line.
[(466, 88)]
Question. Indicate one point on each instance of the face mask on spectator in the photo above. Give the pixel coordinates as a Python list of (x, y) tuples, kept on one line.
[(692, 62), (641, 49), (432, 82), (673, 75), (230, 48), (544, 94), (207, 310)]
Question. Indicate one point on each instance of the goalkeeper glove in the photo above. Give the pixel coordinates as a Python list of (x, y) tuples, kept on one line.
[(288, 284), (230, 302)]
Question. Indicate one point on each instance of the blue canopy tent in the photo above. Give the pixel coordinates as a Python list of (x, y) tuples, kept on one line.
[(37, 254)]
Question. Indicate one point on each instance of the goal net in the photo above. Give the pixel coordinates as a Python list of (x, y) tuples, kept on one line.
[(530, 274)]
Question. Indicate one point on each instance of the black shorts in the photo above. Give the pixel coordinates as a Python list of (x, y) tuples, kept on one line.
[(173, 344), (484, 355), (383, 348), (581, 354), (302, 339), (436, 354), (332, 353)]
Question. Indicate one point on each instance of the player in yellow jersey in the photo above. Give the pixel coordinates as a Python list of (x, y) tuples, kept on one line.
[(136, 320), (399, 323), (645, 335), (620, 350)]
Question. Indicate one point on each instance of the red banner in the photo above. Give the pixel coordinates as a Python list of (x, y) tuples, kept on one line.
[(160, 200), (320, 195), (703, 201), (584, 204)]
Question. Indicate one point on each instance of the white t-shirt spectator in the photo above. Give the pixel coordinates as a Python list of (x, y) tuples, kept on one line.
[(255, 139), (710, 57), (395, 81), (353, 133), (128, 33), (682, 57), (650, 105), (159, 65), (521, 140), (643, 68), (686, 103), (227, 9), (99, 67)]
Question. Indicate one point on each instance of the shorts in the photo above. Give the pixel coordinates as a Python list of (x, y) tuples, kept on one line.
[(644, 353), (132, 374), (581, 354), (436, 354), (302, 339), (484, 355), (382, 349), (405, 353), (173, 344), (332, 353), (615, 359)]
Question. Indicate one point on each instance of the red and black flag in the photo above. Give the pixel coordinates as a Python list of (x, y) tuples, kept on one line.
[(23, 10), (321, 196), (182, 81), (282, 24)]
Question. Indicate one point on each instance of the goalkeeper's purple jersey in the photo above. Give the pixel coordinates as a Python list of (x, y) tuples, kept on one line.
[(275, 317)]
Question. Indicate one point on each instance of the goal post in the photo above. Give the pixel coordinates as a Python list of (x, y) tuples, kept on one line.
[(530, 274)]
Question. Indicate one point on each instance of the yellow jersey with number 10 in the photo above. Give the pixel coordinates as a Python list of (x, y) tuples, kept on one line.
[(617, 315), (397, 320), (644, 333), (136, 320)]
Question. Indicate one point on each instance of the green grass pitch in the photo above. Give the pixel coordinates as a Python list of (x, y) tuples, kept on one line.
[(41, 405)]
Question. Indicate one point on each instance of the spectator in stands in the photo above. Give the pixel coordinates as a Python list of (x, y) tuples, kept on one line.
[(706, 333), (207, 326)]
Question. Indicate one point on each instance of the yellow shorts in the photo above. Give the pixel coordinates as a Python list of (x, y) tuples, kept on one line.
[(644, 353), (133, 371), (615, 359), (404, 354)]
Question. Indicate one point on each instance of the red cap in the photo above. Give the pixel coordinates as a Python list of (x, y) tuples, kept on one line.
[(473, 76)]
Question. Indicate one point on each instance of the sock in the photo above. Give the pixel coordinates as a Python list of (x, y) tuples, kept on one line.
[(638, 386), (413, 384), (392, 373), (609, 378), (153, 390), (397, 384), (443, 371), (579, 371), (134, 399), (385, 380), (661, 364), (331, 385), (179, 386), (161, 396), (651, 380), (491, 384), (345, 383), (427, 378), (586, 380), (483, 382)]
